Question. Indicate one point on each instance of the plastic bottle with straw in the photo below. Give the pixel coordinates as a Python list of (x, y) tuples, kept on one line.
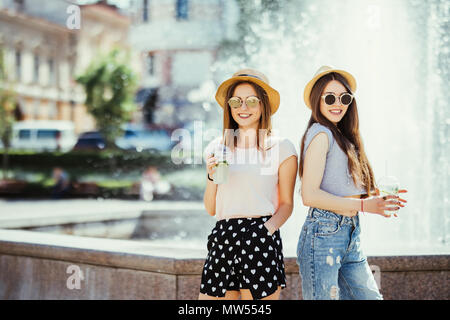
[(388, 185), (221, 174)]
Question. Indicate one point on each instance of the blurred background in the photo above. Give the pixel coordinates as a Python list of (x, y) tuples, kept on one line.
[(94, 94)]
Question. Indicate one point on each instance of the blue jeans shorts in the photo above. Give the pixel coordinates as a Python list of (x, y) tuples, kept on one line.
[(331, 262)]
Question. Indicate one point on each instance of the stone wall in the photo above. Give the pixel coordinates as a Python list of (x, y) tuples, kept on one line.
[(37, 265)]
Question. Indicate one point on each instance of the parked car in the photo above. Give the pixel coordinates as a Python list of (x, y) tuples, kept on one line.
[(142, 139), (91, 140), (43, 135)]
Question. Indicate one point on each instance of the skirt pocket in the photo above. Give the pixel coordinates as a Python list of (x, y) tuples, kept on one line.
[(212, 238)]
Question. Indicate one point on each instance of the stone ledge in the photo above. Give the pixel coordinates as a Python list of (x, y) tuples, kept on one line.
[(34, 266), (30, 278), (103, 252)]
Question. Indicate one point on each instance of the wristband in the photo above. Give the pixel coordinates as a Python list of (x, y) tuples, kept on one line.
[(210, 178)]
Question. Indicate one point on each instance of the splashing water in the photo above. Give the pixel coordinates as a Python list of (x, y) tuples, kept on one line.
[(398, 51)]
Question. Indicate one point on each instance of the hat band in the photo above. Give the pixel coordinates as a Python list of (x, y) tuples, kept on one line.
[(249, 75)]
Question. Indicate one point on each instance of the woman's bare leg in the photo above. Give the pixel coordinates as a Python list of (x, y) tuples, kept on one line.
[(229, 295)]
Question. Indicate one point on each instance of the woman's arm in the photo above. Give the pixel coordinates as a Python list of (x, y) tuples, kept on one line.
[(209, 197), (287, 173), (313, 169), (313, 196)]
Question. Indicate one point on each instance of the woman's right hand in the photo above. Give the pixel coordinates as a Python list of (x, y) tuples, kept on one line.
[(378, 204), (211, 164)]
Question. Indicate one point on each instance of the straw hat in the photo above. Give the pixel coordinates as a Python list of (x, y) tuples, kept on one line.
[(323, 70), (249, 75)]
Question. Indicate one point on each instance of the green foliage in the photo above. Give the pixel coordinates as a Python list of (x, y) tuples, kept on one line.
[(93, 161), (7, 106), (7, 103), (93, 168), (110, 85)]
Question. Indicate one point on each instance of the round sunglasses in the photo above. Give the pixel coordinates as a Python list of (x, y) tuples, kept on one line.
[(236, 102), (345, 99)]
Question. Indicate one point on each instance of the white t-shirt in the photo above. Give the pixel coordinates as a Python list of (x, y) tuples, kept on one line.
[(252, 185)]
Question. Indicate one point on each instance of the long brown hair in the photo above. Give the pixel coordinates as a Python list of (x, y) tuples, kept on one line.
[(264, 120), (346, 133)]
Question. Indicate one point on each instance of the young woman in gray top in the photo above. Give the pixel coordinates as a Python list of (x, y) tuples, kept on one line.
[(337, 183)]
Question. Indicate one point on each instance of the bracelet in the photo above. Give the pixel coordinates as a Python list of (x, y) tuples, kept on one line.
[(210, 178)]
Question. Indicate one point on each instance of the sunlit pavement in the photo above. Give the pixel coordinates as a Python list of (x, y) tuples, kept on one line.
[(22, 208)]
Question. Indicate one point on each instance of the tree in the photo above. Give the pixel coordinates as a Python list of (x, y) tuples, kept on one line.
[(7, 109), (109, 85)]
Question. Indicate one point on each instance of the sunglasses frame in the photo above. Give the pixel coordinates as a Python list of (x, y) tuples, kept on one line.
[(242, 102), (337, 98)]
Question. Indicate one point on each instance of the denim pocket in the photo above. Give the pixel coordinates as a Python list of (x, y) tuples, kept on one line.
[(307, 225), (301, 241), (327, 227)]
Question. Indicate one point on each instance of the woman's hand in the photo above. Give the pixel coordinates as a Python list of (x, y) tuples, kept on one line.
[(211, 162), (400, 199), (378, 204)]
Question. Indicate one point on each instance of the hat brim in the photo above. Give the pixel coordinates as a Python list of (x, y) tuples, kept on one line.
[(307, 92), (274, 96)]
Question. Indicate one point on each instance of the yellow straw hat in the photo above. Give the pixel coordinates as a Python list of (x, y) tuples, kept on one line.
[(320, 73), (249, 75)]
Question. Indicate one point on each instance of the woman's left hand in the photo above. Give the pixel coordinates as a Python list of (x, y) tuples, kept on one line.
[(400, 200)]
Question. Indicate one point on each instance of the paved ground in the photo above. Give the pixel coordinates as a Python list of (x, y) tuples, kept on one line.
[(25, 206), (11, 211)]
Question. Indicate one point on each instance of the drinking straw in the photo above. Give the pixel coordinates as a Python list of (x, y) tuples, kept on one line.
[(386, 167)]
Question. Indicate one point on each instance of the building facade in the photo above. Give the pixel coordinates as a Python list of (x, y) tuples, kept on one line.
[(44, 56), (178, 41)]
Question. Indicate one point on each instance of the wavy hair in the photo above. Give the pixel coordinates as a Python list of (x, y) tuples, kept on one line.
[(346, 133)]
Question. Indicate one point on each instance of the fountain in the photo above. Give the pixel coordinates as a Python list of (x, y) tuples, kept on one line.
[(397, 51)]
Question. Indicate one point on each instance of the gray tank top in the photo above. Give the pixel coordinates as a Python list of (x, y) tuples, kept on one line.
[(336, 178)]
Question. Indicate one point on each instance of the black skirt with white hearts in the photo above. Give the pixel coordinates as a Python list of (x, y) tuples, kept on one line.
[(243, 255)]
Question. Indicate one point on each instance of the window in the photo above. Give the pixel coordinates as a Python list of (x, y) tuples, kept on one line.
[(52, 110), (182, 7), (19, 5), (150, 64), (47, 134), (24, 134), (130, 134), (51, 72), (36, 109), (145, 12), (36, 69), (18, 70)]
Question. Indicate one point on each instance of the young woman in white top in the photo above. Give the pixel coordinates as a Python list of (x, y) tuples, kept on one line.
[(244, 249)]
